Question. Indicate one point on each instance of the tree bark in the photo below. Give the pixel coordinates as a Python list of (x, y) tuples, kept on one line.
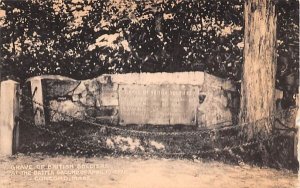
[(259, 68)]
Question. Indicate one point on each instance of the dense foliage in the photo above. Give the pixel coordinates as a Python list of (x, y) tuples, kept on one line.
[(83, 39)]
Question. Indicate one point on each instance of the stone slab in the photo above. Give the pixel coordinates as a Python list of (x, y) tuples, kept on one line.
[(158, 104)]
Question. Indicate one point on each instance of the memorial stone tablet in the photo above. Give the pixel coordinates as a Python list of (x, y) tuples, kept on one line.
[(158, 104)]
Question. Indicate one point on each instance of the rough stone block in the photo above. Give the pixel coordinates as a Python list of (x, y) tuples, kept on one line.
[(64, 110), (109, 95), (189, 98)]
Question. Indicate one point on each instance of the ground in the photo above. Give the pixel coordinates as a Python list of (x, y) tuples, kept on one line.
[(65, 171)]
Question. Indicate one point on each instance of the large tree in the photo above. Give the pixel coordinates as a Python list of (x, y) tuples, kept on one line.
[(259, 68)]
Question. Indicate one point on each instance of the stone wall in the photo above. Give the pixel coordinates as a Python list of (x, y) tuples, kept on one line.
[(186, 98)]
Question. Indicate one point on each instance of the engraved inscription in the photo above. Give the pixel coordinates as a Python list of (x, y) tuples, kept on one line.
[(158, 104)]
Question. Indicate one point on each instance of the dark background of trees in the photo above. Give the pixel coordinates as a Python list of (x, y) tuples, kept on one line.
[(149, 36)]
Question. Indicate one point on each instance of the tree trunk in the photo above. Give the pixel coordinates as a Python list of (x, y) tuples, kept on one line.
[(259, 68)]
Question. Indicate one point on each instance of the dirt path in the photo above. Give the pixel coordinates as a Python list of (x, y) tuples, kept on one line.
[(42, 171)]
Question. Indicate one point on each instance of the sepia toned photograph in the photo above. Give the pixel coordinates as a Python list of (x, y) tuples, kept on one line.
[(149, 94)]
